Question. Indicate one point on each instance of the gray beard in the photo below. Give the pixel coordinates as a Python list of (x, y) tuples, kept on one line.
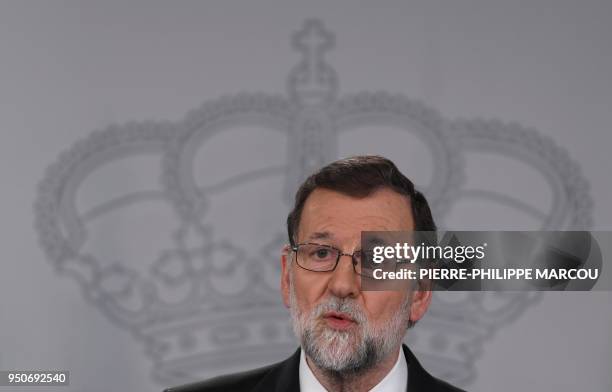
[(364, 357), (344, 353)]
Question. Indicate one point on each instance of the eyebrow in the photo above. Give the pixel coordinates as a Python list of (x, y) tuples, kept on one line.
[(320, 235), (372, 241)]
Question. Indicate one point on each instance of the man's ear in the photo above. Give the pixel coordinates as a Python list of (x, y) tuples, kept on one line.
[(285, 282), (421, 298)]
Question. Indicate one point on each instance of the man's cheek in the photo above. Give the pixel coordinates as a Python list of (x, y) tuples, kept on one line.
[(309, 292), (380, 306)]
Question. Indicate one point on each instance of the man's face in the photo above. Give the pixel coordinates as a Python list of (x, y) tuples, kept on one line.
[(342, 328)]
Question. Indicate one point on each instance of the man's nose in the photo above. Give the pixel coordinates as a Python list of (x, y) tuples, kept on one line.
[(344, 281)]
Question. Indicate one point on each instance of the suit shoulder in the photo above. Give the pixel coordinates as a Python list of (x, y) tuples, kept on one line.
[(420, 380), (243, 381), (443, 386)]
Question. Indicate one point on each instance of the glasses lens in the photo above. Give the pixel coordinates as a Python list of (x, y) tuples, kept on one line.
[(365, 266), (317, 257)]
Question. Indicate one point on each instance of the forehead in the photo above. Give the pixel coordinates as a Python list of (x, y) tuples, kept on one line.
[(340, 215)]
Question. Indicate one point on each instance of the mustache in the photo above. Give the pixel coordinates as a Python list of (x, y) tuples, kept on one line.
[(340, 305)]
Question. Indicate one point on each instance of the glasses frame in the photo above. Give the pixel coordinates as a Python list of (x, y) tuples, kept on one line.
[(354, 261)]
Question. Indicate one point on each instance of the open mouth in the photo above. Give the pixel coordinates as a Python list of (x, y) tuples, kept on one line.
[(338, 320)]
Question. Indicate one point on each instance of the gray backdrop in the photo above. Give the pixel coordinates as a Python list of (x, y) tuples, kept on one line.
[(130, 251)]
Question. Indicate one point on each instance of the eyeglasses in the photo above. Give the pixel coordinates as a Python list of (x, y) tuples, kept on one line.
[(324, 258)]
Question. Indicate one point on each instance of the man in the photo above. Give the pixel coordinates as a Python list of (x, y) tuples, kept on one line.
[(351, 340)]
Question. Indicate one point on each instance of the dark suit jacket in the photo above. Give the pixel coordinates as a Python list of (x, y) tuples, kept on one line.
[(284, 376)]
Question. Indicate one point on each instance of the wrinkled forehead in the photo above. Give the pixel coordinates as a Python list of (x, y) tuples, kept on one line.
[(334, 216)]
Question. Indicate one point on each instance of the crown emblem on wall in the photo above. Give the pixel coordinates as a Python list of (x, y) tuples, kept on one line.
[(135, 213)]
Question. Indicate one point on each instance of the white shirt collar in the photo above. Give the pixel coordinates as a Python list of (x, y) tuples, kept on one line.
[(395, 381)]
